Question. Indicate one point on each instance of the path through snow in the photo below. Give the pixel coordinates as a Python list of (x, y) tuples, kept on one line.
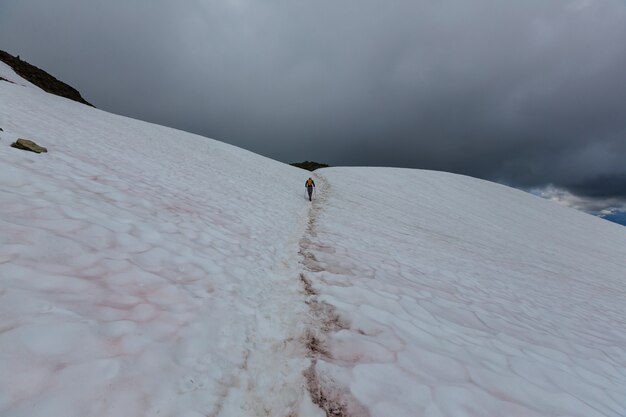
[(146, 271), (448, 296), (335, 400), (275, 358)]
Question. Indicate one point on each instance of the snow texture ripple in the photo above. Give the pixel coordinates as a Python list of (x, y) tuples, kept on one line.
[(146, 271), (464, 298)]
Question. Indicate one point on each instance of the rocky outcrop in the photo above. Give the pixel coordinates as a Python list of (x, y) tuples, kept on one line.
[(28, 145), (41, 78), (309, 165)]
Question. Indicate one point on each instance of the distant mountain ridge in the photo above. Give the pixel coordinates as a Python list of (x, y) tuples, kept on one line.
[(41, 78), (309, 165)]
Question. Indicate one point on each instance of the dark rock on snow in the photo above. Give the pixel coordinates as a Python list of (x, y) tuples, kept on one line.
[(28, 145)]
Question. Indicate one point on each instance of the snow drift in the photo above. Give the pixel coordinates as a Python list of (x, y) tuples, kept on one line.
[(146, 271)]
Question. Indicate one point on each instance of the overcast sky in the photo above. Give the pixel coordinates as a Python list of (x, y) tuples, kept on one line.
[(531, 93)]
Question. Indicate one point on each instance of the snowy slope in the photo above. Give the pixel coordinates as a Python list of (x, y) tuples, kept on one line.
[(460, 297), (143, 270), (146, 271)]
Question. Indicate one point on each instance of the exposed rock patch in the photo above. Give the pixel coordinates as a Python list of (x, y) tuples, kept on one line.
[(309, 165), (41, 78), (28, 145)]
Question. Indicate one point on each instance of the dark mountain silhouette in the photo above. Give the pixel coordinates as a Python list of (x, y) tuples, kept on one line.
[(41, 78), (309, 165)]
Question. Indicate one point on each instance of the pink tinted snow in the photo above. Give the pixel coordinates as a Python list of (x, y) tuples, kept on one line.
[(145, 271), (467, 298), (133, 262)]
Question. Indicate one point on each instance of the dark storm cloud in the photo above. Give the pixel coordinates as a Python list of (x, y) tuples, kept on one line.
[(602, 187), (529, 93)]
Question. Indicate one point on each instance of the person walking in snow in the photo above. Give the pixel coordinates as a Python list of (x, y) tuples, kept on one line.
[(309, 184)]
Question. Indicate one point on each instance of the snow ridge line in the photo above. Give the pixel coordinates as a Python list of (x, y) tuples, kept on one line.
[(324, 392)]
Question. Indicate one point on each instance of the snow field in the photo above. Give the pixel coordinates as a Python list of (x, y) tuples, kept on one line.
[(461, 297), (143, 270)]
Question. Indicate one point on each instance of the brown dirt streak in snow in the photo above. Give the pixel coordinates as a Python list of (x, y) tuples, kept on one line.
[(335, 402), (324, 392), (308, 287)]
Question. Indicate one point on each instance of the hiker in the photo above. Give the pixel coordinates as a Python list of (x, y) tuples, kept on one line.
[(309, 184)]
